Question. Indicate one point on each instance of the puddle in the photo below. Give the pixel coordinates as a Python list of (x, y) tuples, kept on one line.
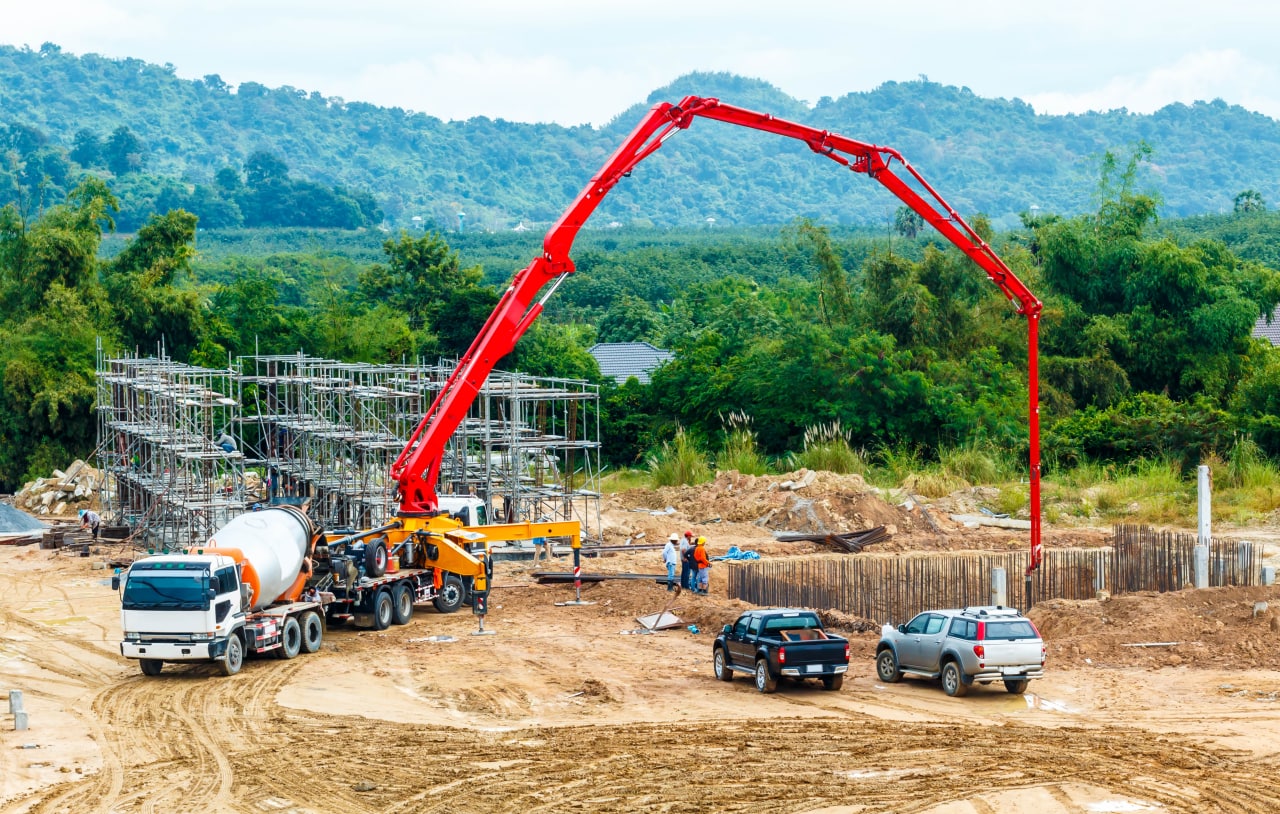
[(1037, 702)]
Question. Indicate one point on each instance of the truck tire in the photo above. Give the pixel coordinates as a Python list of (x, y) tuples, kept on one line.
[(953, 680), (887, 667), (290, 639), (765, 682), (375, 558), (231, 663), (720, 663), (833, 682), (151, 667), (1017, 686), (312, 632), (402, 604), (449, 597), (383, 609)]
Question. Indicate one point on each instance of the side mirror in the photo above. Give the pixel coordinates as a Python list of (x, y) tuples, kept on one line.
[(213, 593), (727, 629), (115, 582), (902, 628)]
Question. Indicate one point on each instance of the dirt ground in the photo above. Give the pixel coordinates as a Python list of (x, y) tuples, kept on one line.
[(567, 708)]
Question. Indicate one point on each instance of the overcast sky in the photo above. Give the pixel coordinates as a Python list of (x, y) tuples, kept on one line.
[(585, 61)]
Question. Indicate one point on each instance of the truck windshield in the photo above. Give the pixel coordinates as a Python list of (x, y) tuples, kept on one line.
[(171, 590), (1020, 629)]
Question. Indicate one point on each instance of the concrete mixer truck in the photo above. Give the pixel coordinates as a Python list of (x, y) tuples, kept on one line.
[(270, 582)]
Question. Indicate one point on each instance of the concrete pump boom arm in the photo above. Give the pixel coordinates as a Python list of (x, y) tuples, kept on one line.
[(418, 466)]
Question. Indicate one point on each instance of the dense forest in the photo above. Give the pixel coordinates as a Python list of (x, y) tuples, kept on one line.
[(256, 156), (892, 341)]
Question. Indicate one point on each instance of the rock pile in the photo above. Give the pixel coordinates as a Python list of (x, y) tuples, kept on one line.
[(63, 493)]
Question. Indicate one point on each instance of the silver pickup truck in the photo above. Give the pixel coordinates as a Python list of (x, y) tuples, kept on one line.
[(976, 644)]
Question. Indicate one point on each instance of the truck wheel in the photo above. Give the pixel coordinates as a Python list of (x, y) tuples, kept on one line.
[(231, 663), (721, 665), (764, 681), (383, 609), (375, 558), (833, 682), (953, 680), (312, 632), (402, 604), (887, 667), (1017, 686), (449, 597), (290, 639), (151, 667)]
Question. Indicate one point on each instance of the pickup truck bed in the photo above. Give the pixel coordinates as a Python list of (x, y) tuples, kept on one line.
[(770, 644)]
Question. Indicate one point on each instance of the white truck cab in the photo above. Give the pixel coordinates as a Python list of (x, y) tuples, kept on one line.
[(469, 509), (180, 607)]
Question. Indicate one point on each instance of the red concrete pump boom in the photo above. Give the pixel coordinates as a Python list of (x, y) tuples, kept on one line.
[(418, 466)]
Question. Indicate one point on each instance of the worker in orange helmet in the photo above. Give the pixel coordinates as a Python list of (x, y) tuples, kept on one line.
[(704, 565)]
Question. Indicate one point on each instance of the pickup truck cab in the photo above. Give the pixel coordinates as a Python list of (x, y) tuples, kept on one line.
[(976, 644), (774, 643)]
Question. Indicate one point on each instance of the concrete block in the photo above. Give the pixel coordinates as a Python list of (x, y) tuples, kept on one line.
[(20, 722), (15, 701), (1268, 575)]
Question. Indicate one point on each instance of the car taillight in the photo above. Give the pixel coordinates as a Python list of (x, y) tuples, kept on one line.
[(980, 651), (846, 651), (1044, 653), (782, 655)]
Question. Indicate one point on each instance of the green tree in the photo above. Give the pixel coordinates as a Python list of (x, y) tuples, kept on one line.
[(424, 280), (907, 222), (141, 283), (124, 152), (1249, 201)]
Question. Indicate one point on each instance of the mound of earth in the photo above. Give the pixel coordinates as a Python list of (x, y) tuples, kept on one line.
[(1227, 628), (748, 510)]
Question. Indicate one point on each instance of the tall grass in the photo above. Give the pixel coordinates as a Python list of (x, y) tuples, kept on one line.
[(827, 449), (740, 451), (679, 462), (895, 465)]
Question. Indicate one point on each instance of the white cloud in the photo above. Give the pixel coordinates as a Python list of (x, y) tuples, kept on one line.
[(1200, 76), (575, 61)]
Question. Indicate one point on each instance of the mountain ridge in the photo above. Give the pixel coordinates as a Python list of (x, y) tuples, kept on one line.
[(995, 156)]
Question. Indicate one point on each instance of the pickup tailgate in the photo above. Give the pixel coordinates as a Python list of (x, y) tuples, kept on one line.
[(1012, 643), (1012, 653), (813, 656)]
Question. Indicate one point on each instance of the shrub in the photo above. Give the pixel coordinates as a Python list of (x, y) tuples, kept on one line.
[(827, 449), (679, 462)]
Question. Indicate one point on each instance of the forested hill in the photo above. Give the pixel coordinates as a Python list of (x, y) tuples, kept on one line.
[(166, 141)]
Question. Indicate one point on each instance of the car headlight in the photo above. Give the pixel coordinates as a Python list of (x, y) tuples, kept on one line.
[(131, 635), (201, 637)]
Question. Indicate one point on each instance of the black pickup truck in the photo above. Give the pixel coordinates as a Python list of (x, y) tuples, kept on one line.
[(773, 643)]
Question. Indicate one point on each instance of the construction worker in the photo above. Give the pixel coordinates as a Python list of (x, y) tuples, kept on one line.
[(669, 557), (687, 566), (90, 520), (704, 565)]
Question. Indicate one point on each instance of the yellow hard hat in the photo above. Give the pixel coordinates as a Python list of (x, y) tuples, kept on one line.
[(701, 541)]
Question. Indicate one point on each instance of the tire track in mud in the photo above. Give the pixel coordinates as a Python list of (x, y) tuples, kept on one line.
[(231, 751)]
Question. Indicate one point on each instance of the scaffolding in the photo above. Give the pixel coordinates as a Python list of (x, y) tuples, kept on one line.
[(323, 433), (159, 427)]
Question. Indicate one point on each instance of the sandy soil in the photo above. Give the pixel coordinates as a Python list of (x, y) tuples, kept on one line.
[(567, 709)]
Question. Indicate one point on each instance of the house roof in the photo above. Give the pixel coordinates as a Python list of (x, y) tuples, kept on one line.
[(622, 360), (1271, 332)]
